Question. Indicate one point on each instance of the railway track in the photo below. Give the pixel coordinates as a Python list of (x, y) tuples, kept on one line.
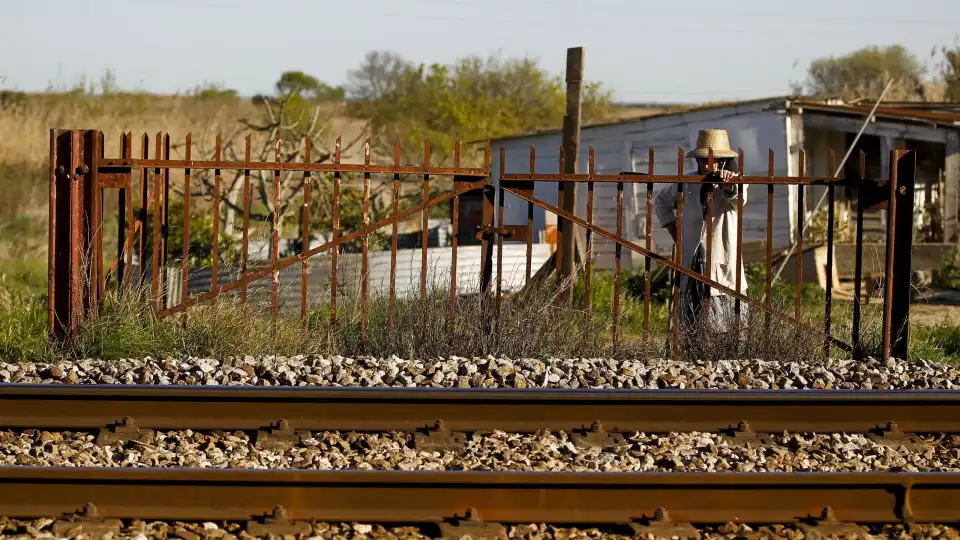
[(419, 497), (93, 407), (279, 500)]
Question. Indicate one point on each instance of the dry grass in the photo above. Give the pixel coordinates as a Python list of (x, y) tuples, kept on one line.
[(25, 125), (25, 122)]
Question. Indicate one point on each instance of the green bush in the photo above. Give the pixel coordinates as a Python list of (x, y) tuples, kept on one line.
[(947, 276)]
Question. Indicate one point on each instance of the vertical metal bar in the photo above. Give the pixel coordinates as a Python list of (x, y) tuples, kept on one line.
[(648, 237), (828, 307), (185, 263), (392, 302), (499, 235), (128, 192), (858, 261), (798, 295), (739, 257), (97, 266), (486, 224), (364, 247), (305, 238), (92, 209), (900, 281), (768, 286), (53, 326), (275, 241), (121, 221), (141, 235), (334, 252), (157, 211), (560, 225), (165, 226), (533, 169), (454, 241), (711, 161), (618, 252), (215, 278), (891, 250), (678, 252), (165, 253), (425, 221), (76, 242), (588, 260), (244, 255)]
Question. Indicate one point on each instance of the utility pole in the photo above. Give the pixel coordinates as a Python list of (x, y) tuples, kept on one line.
[(571, 152)]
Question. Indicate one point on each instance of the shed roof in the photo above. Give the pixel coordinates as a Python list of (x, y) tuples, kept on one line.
[(896, 114), (636, 120), (939, 114)]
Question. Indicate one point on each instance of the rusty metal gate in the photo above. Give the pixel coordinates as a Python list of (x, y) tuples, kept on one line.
[(81, 175)]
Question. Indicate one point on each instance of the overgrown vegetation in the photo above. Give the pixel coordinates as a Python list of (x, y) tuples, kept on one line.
[(530, 325), (947, 275), (863, 74)]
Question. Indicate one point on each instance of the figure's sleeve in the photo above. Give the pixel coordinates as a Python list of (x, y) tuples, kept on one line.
[(664, 204), (731, 193)]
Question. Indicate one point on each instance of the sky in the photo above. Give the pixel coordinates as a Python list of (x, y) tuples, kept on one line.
[(644, 51)]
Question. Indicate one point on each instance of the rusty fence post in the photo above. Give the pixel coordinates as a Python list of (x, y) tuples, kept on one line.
[(74, 269), (487, 241), (896, 301)]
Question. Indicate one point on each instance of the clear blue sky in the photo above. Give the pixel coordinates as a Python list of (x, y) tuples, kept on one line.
[(668, 50)]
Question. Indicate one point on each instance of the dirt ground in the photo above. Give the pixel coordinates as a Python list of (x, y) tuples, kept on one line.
[(933, 307)]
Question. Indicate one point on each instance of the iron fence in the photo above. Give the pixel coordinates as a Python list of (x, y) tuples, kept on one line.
[(81, 175)]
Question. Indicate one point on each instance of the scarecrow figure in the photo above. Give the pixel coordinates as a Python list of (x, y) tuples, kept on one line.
[(700, 303)]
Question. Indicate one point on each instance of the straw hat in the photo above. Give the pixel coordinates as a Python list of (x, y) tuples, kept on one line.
[(715, 139)]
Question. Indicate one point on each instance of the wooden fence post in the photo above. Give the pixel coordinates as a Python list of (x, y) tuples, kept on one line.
[(571, 152)]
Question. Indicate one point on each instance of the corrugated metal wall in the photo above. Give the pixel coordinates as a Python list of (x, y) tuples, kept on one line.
[(409, 264)]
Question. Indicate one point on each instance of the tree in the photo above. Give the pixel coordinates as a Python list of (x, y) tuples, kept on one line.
[(950, 71), (308, 87), (297, 112), (376, 76), (862, 74), (473, 99)]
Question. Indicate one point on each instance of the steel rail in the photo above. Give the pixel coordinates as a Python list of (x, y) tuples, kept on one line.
[(87, 407), (506, 497)]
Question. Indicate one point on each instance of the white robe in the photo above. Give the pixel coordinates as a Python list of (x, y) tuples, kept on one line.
[(723, 260)]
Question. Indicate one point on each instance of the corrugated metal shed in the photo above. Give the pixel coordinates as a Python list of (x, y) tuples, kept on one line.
[(409, 263)]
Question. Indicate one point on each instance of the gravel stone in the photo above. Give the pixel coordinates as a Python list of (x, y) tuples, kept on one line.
[(490, 372), (138, 529), (497, 451)]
